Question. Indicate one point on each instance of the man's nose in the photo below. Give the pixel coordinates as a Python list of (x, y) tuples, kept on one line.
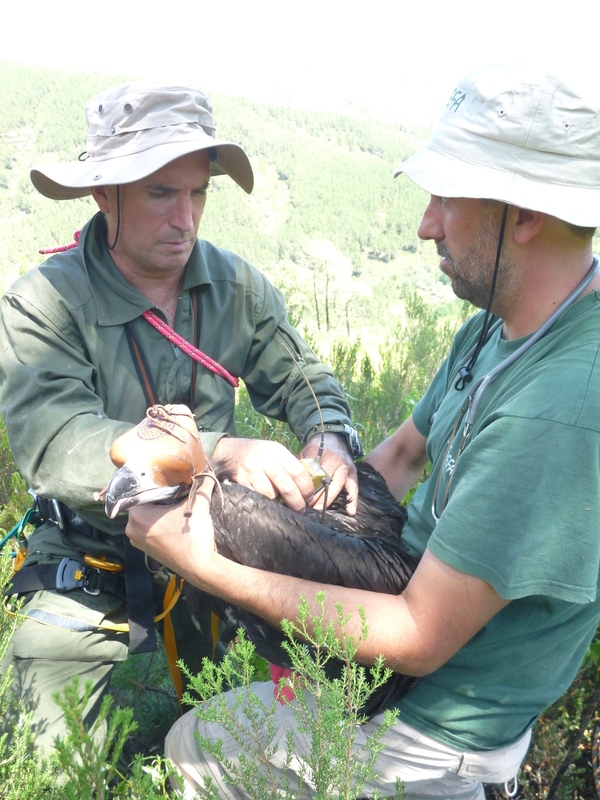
[(430, 226), (182, 216)]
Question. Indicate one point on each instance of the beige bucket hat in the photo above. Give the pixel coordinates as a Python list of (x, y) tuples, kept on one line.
[(514, 134), (133, 131)]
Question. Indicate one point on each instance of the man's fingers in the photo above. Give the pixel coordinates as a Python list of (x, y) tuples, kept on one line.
[(261, 484), (338, 464), (342, 478), (292, 482), (269, 469), (291, 495), (332, 490), (351, 486)]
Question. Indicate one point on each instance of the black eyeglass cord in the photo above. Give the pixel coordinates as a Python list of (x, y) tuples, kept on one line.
[(114, 244), (465, 373)]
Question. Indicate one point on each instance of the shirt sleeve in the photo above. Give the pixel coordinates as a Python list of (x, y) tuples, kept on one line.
[(58, 432)]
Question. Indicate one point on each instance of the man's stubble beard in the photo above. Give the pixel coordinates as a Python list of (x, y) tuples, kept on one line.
[(472, 279)]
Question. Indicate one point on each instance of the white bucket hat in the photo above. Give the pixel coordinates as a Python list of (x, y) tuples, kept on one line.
[(513, 134), (133, 131)]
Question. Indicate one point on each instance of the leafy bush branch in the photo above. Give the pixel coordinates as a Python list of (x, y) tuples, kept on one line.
[(326, 710)]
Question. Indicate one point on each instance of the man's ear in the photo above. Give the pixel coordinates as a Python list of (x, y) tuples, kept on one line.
[(527, 226), (100, 195)]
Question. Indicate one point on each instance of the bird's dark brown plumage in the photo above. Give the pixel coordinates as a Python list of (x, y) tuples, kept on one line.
[(362, 552)]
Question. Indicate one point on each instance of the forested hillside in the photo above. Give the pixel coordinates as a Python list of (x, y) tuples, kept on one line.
[(326, 220)]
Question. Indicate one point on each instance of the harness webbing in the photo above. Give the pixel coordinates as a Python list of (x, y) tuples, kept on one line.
[(140, 601), (170, 641)]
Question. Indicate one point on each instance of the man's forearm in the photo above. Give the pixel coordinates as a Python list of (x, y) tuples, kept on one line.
[(416, 632), (274, 597)]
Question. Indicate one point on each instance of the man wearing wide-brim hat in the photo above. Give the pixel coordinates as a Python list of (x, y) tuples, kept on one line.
[(504, 603), (99, 333)]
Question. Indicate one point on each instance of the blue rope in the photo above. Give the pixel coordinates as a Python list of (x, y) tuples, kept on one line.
[(18, 529)]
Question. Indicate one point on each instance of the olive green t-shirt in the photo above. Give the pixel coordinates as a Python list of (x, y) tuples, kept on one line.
[(519, 508)]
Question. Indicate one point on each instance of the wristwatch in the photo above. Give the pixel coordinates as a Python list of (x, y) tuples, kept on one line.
[(352, 439), (344, 431)]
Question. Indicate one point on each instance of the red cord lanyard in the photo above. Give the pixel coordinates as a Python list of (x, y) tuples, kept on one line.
[(188, 348), (163, 328)]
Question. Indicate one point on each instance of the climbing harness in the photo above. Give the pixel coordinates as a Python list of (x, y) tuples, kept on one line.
[(172, 593), (93, 575)]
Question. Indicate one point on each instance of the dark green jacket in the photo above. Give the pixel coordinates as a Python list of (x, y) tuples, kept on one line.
[(68, 382)]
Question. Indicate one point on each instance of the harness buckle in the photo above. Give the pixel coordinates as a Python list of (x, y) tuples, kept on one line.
[(70, 575), (91, 581)]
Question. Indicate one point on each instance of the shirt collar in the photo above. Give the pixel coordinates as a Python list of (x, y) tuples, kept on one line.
[(118, 302)]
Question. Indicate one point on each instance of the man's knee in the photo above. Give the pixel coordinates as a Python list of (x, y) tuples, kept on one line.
[(43, 660)]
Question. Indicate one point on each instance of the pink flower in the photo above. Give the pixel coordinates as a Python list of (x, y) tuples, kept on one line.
[(281, 693)]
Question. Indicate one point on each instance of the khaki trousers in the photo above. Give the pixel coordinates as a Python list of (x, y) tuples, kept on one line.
[(45, 658), (429, 769)]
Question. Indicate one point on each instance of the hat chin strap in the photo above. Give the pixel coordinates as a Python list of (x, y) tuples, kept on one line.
[(466, 371), (114, 244)]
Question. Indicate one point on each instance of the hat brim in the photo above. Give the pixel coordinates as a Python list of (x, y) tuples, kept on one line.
[(447, 174), (74, 179)]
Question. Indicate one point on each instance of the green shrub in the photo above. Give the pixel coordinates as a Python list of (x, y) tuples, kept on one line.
[(23, 774), (328, 711), (89, 757)]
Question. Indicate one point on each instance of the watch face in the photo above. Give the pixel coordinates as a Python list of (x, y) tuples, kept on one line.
[(354, 442)]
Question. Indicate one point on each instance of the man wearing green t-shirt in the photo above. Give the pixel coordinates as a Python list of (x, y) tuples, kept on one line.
[(503, 604)]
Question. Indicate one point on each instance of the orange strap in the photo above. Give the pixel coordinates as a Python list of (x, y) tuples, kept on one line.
[(214, 629), (169, 636)]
